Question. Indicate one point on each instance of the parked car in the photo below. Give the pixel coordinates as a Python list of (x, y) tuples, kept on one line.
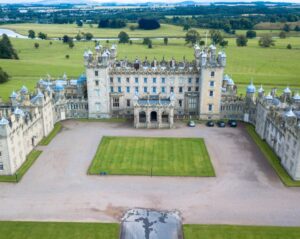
[(232, 123), (221, 124), (210, 123), (191, 123)]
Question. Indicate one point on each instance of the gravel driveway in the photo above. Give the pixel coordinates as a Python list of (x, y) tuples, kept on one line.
[(245, 191)]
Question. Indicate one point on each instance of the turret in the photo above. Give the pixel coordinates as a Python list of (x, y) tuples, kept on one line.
[(261, 92), (287, 94), (203, 59), (213, 54), (113, 51), (251, 91), (14, 98)]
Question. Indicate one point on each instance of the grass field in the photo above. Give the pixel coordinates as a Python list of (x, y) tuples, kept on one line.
[(31, 158), (272, 158), (239, 232), (58, 230), (275, 66), (152, 156), (46, 140)]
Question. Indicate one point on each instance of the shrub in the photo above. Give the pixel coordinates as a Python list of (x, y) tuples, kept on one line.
[(36, 45), (241, 40), (148, 24), (251, 34)]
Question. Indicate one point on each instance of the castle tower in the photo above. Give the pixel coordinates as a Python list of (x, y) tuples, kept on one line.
[(261, 92), (250, 93), (211, 77)]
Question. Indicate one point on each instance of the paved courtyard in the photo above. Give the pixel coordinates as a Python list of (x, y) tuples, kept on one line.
[(245, 191)]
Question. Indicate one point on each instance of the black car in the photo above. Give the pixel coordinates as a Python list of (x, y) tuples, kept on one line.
[(210, 123), (232, 123), (221, 124)]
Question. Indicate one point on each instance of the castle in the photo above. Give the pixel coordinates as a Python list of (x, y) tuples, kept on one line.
[(153, 94)]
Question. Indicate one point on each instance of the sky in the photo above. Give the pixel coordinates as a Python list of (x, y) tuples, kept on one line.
[(135, 1)]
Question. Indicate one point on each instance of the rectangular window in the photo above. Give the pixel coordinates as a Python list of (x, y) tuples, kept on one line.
[(119, 89), (192, 103), (145, 89), (116, 103), (172, 89), (180, 89), (197, 80), (119, 79), (212, 74), (136, 80), (145, 80), (97, 106), (111, 80), (180, 103), (163, 80), (96, 82), (1, 166), (189, 88), (112, 89), (162, 89), (128, 89), (154, 80), (128, 103), (153, 89), (127, 80), (211, 93), (190, 80), (197, 88), (210, 107), (97, 92), (211, 83), (136, 89), (96, 73)]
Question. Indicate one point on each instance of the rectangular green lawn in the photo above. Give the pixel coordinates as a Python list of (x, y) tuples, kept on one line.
[(152, 156)]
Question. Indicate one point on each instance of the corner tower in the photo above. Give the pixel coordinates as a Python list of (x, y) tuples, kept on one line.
[(98, 84), (211, 69)]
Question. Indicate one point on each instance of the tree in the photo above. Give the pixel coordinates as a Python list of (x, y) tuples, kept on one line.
[(186, 27), (4, 77), (88, 36), (79, 23), (286, 28), (166, 41), (78, 37), (148, 24), (224, 43), (202, 43), (289, 46), (132, 27), (31, 34), (282, 34), (50, 43), (130, 42), (71, 43), (150, 45), (6, 49), (216, 36), (67, 56), (36, 45), (266, 41), (192, 36), (297, 29), (123, 37), (241, 40), (66, 39), (146, 41), (42, 35), (251, 34)]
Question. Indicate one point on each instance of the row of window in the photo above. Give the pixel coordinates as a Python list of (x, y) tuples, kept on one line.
[(154, 89), (145, 80)]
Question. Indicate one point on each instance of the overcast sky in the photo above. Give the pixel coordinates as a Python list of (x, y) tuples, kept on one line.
[(134, 1)]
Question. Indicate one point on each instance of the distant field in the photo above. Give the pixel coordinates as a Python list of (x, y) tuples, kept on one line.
[(275, 26), (58, 30), (152, 156), (275, 66)]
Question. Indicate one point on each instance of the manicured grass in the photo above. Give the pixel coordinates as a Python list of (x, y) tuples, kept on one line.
[(272, 158), (31, 158), (58, 230), (152, 156), (276, 66), (46, 140), (59, 30), (239, 232)]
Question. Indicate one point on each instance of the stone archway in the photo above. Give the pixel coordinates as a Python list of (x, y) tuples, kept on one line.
[(153, 116), (142, 117)]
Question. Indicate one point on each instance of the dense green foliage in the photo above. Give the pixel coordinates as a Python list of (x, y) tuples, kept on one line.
[(192, 37), (272, 158), (113, 23), (6, 49), (239, 232), (30, 159), (148, 24), (31, 34), (46, 140), (266, 41), (241, 40), (123, 37), (58, 230), (4, 77), (152, 156), (251, 34)]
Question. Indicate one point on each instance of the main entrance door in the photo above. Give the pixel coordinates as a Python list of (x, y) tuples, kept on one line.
[(153, 116)]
